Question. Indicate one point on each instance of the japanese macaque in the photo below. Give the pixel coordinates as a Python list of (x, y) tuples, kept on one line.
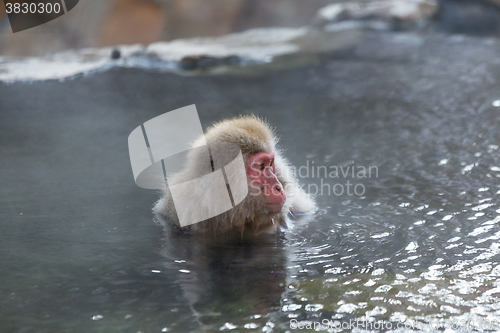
[(273, 190)]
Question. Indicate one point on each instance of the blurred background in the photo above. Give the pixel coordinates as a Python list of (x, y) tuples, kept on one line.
[(95, 23), (98, 23)]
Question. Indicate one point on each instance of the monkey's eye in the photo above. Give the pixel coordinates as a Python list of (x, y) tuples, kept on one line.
[(271, 164), (262, 166)]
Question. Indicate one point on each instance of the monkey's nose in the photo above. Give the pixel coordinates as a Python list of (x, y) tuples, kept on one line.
[(278, 188)]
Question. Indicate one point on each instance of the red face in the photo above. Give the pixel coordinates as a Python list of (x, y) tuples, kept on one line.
[(261, 175)]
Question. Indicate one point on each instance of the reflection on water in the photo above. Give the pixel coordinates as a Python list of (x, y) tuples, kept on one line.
[(218, 277), (80, 252)]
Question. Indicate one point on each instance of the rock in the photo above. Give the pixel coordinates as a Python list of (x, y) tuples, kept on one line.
[(115, 54), (388, 11), (470, 17), (202, 61)]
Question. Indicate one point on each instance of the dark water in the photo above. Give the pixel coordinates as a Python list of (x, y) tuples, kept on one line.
[(80, 251)]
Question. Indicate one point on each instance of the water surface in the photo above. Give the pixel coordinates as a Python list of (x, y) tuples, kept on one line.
[(81, 252)]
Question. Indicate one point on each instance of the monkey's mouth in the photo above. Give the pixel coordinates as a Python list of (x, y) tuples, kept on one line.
[(274, 206)]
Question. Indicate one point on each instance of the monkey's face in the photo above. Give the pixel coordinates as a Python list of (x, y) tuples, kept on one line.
[(263, 183)]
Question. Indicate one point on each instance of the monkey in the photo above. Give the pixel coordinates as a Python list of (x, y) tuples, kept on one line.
[(273, 189)]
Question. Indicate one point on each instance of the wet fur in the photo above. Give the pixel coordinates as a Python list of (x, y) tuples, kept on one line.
[(253, 136)]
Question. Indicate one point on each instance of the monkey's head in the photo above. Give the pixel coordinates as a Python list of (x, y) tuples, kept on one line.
[(257, 144), (263, 182), (266, 174)]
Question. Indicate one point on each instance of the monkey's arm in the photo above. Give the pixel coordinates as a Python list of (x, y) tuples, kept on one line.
[(302, 203)]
